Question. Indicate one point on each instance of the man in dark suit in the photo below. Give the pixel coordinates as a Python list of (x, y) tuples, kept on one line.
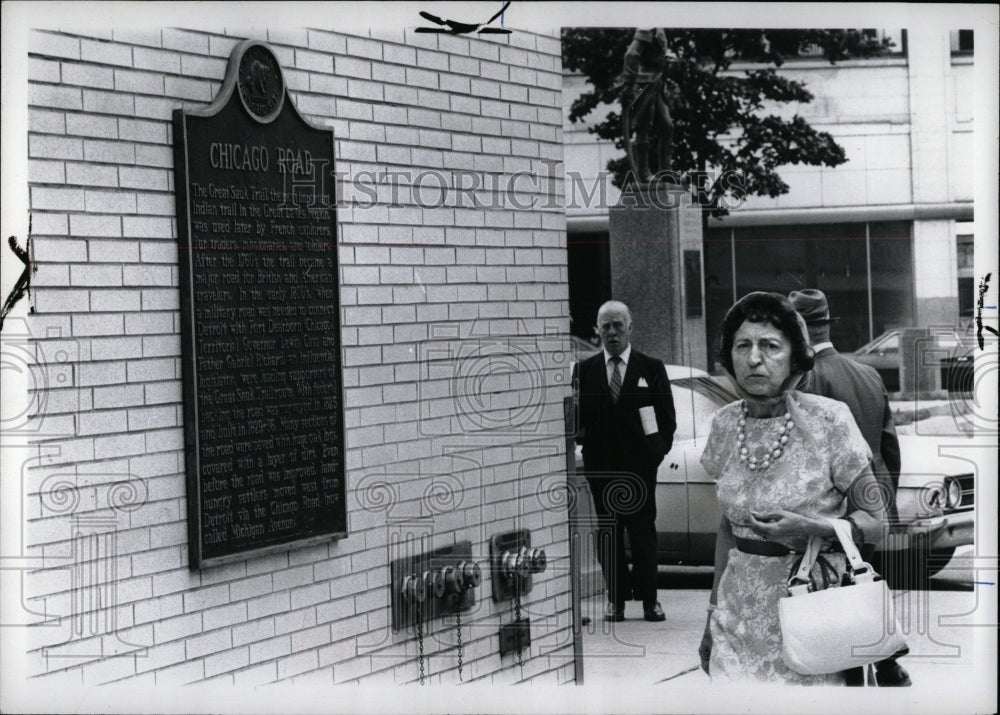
[(626, 425), (862, 390)]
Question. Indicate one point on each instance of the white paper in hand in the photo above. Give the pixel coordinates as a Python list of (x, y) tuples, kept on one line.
[(648, 417)]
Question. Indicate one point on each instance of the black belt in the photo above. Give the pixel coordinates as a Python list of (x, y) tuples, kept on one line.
[(762, 548), (759, 547)]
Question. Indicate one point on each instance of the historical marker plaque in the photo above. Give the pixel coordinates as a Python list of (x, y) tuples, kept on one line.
[(260, 319)]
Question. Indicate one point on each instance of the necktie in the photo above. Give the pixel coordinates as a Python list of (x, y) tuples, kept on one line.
[(616, 378)]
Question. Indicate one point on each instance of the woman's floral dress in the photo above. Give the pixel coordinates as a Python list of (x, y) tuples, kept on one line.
[(824, 455)]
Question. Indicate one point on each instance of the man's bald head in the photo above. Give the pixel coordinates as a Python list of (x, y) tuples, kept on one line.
[(614, 324)]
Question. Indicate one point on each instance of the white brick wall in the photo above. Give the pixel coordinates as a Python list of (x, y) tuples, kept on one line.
[(422, 272)]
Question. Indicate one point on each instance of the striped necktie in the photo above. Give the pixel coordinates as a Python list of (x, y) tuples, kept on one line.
[(616, 378)]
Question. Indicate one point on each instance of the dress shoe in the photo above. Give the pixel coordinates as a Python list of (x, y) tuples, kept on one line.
[(890, 674), (614, 613), (653, 612), (854, 677)]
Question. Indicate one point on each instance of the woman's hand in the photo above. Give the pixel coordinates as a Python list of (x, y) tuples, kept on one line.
[(784, 525), (705, 649)]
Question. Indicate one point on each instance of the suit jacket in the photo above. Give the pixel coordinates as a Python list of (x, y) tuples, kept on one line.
[(611, 433), (861, 389)]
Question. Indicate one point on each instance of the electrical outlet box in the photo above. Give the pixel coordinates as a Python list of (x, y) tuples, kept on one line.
[(420, 587), (515, 637)]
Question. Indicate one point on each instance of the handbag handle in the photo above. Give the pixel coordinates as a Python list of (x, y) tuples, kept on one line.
[(860, 570), (800, 580), (842, 528)]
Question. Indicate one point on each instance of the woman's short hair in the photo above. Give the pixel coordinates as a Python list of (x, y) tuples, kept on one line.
[(773, 308)]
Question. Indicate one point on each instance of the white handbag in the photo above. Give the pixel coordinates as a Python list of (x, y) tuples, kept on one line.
[(842, 627)]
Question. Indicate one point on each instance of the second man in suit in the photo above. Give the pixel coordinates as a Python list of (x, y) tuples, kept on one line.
[(627, 425), (862, 390)]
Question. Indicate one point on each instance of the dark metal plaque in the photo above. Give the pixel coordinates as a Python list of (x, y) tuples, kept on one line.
[(692, 284), (260, 319)]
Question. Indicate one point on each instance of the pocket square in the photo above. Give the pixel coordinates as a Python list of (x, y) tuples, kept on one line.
[(642, 382)]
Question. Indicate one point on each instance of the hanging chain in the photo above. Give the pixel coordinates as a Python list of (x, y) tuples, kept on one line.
[(458, 624), (517, 617), (420, 639)]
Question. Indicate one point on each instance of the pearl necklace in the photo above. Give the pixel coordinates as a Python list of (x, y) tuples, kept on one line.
[(776, 448)]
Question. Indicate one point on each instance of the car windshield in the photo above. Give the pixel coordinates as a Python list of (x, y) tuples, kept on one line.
[(695, 401), (890, 344), (941, 344), (885, 343)]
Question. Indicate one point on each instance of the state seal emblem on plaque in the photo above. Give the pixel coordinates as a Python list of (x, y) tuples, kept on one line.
[(261, 86)]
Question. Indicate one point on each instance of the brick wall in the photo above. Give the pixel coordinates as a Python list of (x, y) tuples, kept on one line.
[(453, 322)]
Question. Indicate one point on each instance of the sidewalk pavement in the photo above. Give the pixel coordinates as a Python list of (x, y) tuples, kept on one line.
[(946, 655), (637, 651)]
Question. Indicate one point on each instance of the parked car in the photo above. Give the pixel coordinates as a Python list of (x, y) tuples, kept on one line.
[(935, 498), (957, 373), (948, 350)]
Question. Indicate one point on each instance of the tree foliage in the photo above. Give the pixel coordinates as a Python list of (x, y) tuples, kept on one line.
[(719, 114)]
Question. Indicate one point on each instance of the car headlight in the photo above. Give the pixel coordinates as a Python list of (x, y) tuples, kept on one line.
[(935, 498), (953, 495)]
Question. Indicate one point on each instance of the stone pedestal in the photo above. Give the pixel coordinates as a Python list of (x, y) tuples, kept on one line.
[(919, 363), (657, 270)]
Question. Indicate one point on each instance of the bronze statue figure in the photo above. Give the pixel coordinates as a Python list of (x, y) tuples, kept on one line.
[(647, 127)]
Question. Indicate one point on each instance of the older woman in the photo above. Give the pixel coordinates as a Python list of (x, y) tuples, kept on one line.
[(784, 462)]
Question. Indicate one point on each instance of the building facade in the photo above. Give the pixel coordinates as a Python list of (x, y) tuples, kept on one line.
[(887, 235), (455, 356)]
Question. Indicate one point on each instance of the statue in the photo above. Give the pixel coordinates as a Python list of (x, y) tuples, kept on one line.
[(644, 96)]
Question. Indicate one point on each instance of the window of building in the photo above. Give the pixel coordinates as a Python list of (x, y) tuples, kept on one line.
[(898, 38), (966, 249), (966, 300), (865, 269), (589, 264), (891, 275), (966, 272), (962, 42)]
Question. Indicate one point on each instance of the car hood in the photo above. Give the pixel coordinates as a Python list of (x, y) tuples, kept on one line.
[(924, 456)]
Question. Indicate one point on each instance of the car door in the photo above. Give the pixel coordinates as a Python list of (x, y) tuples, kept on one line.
[(687, 512), (672, 533), (703, 503), (883, 355)]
